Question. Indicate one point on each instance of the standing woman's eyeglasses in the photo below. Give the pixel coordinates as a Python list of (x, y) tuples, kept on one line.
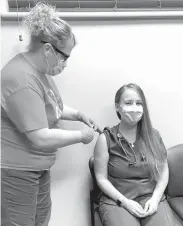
[(65, 56)]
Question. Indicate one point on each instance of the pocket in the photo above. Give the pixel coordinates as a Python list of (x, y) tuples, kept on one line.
[(104, 209), (106, 200)]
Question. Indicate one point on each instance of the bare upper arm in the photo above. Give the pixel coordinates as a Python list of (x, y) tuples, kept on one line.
[(38, 136), (101, 158)]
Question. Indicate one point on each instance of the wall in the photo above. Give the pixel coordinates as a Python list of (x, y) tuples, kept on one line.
[(108, 55)]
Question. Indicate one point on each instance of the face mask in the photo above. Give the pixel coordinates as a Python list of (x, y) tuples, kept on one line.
[(57, 69), (131, 114)]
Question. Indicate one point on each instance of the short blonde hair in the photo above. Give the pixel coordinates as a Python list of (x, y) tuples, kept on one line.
[(44, 24)]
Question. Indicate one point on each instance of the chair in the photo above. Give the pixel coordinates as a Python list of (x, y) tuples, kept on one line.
[(174, 190), (175, 185)]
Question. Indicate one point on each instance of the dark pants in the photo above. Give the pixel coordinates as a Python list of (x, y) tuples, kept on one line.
[(25, 198), (112, 215)]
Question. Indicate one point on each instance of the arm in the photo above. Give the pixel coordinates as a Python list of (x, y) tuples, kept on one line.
[(164, 177), (69, 113), (161, 184), (151, 205), (54, 138), (26, 109), (75, 115), (101, 158)]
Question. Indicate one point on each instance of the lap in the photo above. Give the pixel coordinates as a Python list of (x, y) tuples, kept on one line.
[(163, 216), (113, 215)]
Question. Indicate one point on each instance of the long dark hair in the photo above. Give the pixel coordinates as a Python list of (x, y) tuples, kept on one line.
[(148, 138)]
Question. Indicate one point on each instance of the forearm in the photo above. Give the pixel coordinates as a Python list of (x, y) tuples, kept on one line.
[(107, 187), (55, 138), (69, 114), (161, 184)]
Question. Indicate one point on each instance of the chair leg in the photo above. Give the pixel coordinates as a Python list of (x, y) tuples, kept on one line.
[(92, 210)]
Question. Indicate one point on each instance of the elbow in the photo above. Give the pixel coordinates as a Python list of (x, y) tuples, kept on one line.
[(167, 172), (101, 179), (39, 138), (102, 183), (41, 143)]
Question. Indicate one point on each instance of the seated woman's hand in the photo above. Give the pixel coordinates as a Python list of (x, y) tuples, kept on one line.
[(151, 206), (134, 208)]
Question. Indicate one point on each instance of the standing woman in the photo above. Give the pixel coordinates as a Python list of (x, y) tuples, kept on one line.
[(130, 162), (31, 109)]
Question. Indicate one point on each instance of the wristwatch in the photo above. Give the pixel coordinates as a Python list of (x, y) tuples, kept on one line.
[(119, 202)]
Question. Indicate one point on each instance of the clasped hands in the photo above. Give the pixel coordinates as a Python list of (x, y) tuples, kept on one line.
[(136, 209)]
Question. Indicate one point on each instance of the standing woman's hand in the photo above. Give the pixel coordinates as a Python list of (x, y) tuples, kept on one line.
[(87, 135), (88, 121)]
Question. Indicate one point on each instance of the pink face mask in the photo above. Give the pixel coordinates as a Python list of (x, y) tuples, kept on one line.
[(132, 114)]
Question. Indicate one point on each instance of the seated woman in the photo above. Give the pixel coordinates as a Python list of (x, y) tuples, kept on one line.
[(130, 163)]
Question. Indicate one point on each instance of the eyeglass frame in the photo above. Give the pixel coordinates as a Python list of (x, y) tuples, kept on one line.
[(59, 51)]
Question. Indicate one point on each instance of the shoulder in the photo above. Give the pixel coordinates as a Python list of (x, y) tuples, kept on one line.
[(13, 75), (110, 134), (101, 147), (17, 75), (101, 139), (111, 131)]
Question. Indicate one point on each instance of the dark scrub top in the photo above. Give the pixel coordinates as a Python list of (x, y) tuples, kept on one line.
[(129, 175), (29, 101)]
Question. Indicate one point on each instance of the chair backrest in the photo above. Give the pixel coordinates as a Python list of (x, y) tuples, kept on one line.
[(175, 163), (96, 190)]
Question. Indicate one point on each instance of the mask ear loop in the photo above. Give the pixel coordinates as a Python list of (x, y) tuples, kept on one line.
[(48, 66), (55, 55), (120, 107)]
